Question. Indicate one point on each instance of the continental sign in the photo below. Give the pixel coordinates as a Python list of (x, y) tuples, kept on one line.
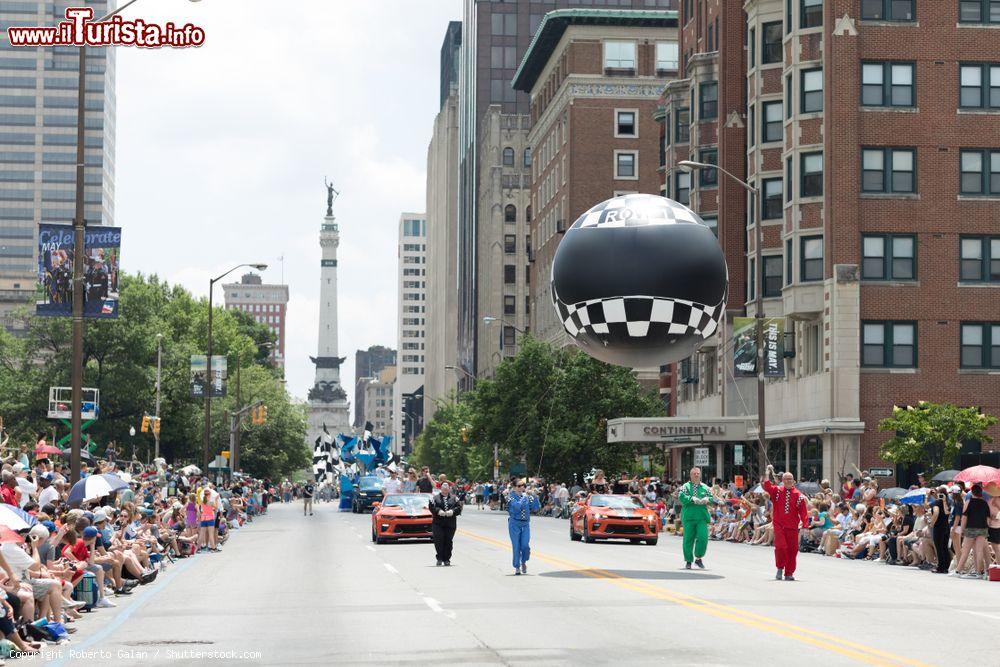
[(679, 429)]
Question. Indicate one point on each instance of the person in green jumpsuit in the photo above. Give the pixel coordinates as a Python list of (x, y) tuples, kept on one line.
[(695, 497)]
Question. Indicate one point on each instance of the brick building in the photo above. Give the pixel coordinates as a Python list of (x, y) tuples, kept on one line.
[(594, 77), (872, 129), (267, 304)]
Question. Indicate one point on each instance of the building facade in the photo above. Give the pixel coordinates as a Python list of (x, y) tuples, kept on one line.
[(442, 237), (872, 130), (503, 243), (410, 363), (378, 401), (595, 77), (495, 37), (367, 365), (38, 114), (267, 304)]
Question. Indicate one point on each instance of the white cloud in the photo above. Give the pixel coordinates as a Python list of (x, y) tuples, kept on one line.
[(222, 151)]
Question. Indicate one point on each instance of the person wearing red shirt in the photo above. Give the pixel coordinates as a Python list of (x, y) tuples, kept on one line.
[(790, 512), (9, 491)]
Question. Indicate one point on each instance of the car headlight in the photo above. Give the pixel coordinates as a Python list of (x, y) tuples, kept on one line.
[(651, 518), (598, 517)]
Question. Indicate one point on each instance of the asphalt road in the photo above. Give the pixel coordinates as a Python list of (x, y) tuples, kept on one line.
[(314, 590)]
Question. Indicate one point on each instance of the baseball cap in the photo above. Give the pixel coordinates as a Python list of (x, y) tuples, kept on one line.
[(50, 525), (99, 516), (47, 476), (89, 532), (39, 531)]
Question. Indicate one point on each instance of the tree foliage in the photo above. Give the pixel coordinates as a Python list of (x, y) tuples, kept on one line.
[(545, 407), (932, 433), (120, 360)]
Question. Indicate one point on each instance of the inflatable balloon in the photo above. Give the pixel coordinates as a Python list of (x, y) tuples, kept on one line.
[(639, 281)]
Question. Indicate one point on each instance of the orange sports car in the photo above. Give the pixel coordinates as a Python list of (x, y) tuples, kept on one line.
[(605, 516), (401, 515)]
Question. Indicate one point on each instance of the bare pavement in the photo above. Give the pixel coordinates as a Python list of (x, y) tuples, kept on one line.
[(291, 590)]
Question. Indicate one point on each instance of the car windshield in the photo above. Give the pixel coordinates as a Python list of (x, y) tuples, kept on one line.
[(370, 484), (616, 502), (413, 501)]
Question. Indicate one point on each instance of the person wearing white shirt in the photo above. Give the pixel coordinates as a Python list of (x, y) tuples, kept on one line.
[(393, 484), (48, 493)]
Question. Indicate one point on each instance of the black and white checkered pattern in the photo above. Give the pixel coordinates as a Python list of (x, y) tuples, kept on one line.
[(635, 211), (639, 317), (326, 456)]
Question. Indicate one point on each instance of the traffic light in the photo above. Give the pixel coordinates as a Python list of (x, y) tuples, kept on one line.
[(254, 419), (263, 414), (145, 424), (156, 425), (225, 454), (465, 434)]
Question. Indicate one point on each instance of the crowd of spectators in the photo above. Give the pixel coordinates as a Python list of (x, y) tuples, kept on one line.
[(66, 552)]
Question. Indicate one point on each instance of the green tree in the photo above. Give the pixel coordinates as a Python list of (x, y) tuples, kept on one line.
[(932, 433)]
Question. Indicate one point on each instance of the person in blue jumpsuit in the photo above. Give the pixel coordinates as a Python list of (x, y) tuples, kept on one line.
[(519, 509)]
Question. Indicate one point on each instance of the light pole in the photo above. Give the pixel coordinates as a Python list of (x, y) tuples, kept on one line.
[(758, 288), (79, 252), (208, 370), (156, 430), (131, 436)]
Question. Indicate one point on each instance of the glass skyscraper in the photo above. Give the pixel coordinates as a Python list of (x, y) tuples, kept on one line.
[(38, 109)]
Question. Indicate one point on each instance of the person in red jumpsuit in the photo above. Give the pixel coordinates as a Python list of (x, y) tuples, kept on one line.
[(790, 512)]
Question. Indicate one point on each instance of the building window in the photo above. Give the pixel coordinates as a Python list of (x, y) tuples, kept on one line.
[(752, 48), (888, 257), (752, 281), (788, 261), (979, 85), (619, 55), (713, 223), (788, 178), (980, 259), (888, 10), (980, 345), (979, 11), (887, 84), (788, 16), (812, 174), (509, 274), (771, 122), (625, 124), (812, 90), (682, 125), (527, 157), (811, 265), (509, 244), (980, 172), (772, 276), (708, 101), (625, 164), (666, 56), (683, 187), (810, 13), (772, 199), (510, 213), (508, 157), (527, 214), (751, 126), (770, 50), (888, 170), (708, 178), (889, 344), (509, 305), (509, 339)]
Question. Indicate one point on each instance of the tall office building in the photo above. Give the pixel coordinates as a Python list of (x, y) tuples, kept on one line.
[(38, 101), (442, 235), (495, 36), (267, 304), (367, 365), (409, 385), (871, 130), (376, 406)]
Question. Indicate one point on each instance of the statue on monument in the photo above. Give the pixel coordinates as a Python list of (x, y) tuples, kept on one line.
[(331, 194)]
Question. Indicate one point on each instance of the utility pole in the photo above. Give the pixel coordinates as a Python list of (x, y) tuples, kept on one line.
[(79, 253), (156, 431)]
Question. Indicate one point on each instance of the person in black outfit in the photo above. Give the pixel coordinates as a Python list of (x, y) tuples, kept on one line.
[(974, 531), (444, 508), (940, 530), (425, 484)]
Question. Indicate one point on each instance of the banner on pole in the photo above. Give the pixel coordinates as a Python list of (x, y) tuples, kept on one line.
[(102, 254), (199, 373), (745, 346)]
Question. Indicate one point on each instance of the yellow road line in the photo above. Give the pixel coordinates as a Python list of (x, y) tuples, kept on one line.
[(859, 652)]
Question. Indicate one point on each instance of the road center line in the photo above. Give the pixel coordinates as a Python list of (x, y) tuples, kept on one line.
[(369, 547), (859, 652), (979, 613), (437, 608), (390, 567)]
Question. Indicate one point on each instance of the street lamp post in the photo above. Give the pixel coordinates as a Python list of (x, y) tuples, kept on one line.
[(79, 251), (156, 431), (758, 285), (131, 436), (208, 370)]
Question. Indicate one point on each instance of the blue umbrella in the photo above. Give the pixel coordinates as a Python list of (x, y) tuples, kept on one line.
[(914, 497), (95, 486), (15, 518)]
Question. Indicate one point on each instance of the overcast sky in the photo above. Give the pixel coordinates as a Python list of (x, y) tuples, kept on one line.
[(222, 151)]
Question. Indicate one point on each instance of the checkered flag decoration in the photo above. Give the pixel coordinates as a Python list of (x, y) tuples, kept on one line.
[(647, 319), (326, 457)]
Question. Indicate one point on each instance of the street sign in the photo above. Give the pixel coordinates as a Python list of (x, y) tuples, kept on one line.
[(701, 456), (881, 472), (738, 455)]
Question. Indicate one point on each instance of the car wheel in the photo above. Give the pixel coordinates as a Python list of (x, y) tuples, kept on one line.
[(380, 540), (635, 541), (586, 534), (652, 542), (573, 535), (374, 538)]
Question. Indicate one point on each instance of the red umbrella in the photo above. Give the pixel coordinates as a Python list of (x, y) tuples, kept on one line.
[(47, 449), (8, 535), (978, 474)]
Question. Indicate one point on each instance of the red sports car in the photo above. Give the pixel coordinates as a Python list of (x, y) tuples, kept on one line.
[(605, 516), (401, 515)]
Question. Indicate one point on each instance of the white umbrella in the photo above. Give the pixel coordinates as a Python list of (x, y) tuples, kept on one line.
[(15, 519), (95, 486), (191, 470)]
